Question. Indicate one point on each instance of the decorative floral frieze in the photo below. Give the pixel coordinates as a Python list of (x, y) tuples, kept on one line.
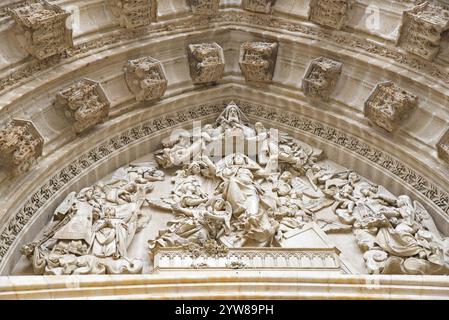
[(44, 29), (258, 60), (204, 7), (85, 161), (206, 61), (146, 78), (135, 13), (320, 77), (422, 28), (388, 105), (330, 13), (85, 103), (443, 147), (259, 6), (20, 146)]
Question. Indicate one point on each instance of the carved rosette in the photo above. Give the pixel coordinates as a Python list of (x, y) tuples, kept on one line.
[(204, 7), (146, 78), (330, 13), (20, 146), (259, 6), (206, 61), (320, 77), (422, 28), (443, 147), (44, 29), (388, 105), (258, 60), (85, 103)]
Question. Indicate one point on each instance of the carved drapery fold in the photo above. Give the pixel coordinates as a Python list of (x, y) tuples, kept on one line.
[(206, 61), (422, 28), (20, 146), (258, 60), (388, 105), (330, 13), (135, 13), (85, 103), (259, 6), (320, 77), (44, 29), (146, 78)]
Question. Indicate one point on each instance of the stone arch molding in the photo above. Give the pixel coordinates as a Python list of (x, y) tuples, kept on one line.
[(256, 58)]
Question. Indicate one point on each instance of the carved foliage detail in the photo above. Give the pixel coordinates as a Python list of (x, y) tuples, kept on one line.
[(388, 105), (44, 29), (258, 60), (260, 6), (20, 146), (206, 62), (330, 13), (146, 78), (320, 77), (135, 13), (443, 147), (204, 7), (85, 103), (422, 28)]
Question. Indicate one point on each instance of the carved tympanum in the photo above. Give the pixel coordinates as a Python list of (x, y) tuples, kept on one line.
[(422, 28), (260, 6), (206, 62), (320, 77), (135, 13), (258, 60), (204, 7), (330, 13), (85, 103), (44, 29), (443, 147), (388, 105), (146, 78), (20, 146)]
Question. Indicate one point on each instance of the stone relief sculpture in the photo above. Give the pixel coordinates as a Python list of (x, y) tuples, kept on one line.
[(388, 105), (443, 147), (146, 78), (20, 146), (258, 60), (204, 7), (91, 230), (330, 13), (135, 13), (281, 199), (422, 28), (320, 77), (259, 6), (85, 103), (206, 61), (44, 29)]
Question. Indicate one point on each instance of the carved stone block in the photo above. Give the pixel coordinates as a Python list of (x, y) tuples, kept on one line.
[(206, 62), (85, 103), (259, 6), (146, 78), (204, 7), (320, 77), (44, 29), (258, 60), (20, 146), (135, 13), (330, 13), (443, 147), (422, 28), (388, 105)]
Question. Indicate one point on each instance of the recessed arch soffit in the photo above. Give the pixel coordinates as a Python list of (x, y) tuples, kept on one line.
[(367, 60)]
